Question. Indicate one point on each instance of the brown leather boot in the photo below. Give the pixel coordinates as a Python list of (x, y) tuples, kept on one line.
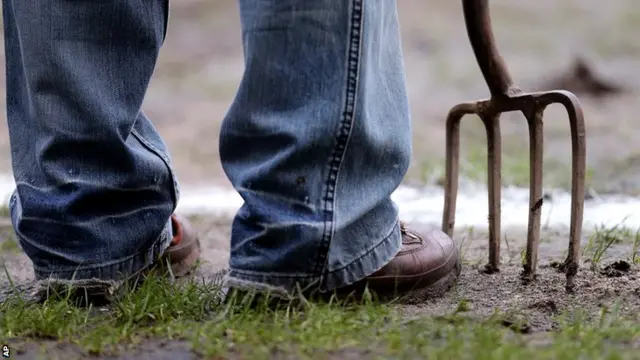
[(428, 258)]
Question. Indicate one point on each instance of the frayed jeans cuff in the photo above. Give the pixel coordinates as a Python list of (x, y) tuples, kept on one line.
[(286, 286), (113, 271)]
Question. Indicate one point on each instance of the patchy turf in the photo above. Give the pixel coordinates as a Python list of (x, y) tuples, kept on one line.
[(163, 320), (483, 316)]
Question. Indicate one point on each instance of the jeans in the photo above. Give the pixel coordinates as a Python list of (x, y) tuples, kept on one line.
[(315, 141)]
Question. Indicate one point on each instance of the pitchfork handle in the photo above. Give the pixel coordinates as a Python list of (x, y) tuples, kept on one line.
[(494, 70)]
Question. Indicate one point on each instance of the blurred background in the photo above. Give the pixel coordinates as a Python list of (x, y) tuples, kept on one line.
[(590, 47)]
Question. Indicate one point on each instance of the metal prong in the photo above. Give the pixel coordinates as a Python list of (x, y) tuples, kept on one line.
[(494, 183), (578, 159), (535, 193), (452, 160)]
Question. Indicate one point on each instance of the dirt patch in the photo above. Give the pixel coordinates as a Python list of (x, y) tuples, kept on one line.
[(537, 304), (611, 285), (616, 269)]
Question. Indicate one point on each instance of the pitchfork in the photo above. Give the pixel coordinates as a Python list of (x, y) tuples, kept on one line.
[(506, 97)]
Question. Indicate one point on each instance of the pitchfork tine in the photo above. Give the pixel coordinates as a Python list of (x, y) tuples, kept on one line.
[(496, 74), (534, 118), (452, 160), (506, 96), (578, 160), (494, 184)]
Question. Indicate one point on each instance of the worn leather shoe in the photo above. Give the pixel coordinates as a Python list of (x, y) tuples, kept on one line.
[(184, 251), (428, 258)]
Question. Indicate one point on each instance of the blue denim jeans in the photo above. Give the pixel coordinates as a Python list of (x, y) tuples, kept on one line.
[(315, 141)]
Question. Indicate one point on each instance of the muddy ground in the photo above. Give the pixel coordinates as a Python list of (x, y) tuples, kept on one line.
[(200, 68)]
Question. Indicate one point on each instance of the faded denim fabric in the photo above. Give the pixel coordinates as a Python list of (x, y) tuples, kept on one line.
[(316, 140), (94, 187)]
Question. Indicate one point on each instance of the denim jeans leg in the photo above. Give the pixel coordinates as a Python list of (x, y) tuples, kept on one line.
[(316, 140), (94, 186)]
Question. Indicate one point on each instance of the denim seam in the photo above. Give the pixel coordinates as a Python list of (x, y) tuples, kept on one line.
[(165, 159), (344, 133), (256, 274), (165, 4)]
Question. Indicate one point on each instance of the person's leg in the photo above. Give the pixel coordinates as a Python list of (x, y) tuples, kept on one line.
[(94, 187), (317, 139)]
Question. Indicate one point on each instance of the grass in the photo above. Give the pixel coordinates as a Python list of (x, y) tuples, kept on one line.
[(8, 241), (604, 237), (4, 209), (9, 245), (192, 313)]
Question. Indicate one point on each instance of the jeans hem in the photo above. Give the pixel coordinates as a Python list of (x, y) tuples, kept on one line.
[(283, 284), (373, 260), (115, 270)]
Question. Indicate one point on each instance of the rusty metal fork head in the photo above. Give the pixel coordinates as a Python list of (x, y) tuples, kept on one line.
[(506, 97)]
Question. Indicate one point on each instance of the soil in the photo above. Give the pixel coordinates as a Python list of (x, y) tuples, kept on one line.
[(201, 65)]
